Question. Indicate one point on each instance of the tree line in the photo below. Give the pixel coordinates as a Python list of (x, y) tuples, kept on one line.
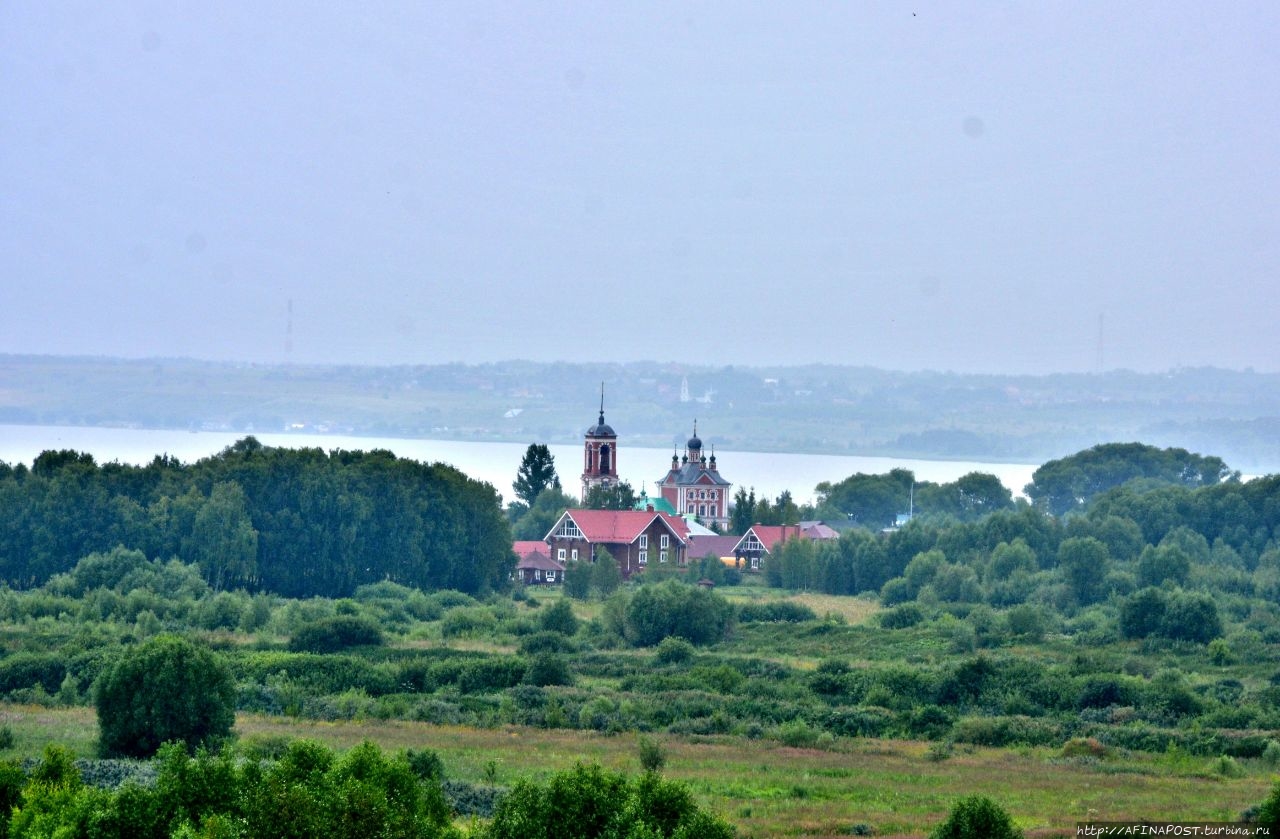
[(296, 522)]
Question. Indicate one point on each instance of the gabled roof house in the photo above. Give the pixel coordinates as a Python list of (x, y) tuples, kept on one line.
[(761, 540), (634, 538)]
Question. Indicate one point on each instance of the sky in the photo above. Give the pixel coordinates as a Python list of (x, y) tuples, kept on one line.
[(975, 187)]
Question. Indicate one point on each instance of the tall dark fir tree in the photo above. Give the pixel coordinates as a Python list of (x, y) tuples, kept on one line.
[(537, 472)]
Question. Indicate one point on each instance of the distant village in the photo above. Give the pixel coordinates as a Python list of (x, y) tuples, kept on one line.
[(670, 529)]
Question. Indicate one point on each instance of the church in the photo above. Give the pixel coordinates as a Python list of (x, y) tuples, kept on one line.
[(692, 486)]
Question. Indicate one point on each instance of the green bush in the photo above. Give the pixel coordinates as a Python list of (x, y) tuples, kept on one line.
[(673, 608), (334, 634), (587, 802), (1006, 731), (495, 673), (559, 618), (25, 670), (901, 617), (977, 817), (673, 651), (548, 669), (169, 689), (775, 611)]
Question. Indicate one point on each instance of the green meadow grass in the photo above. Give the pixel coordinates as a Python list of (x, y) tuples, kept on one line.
[(770, 790)]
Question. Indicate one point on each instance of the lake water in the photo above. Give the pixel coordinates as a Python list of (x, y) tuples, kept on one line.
[(769, 472)]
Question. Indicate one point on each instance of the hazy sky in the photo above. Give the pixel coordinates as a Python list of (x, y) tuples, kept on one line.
[(1008, 187)]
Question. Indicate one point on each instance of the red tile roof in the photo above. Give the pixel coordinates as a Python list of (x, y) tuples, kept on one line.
[(525, 548), (717, 546), (771, 535), (623, 526)]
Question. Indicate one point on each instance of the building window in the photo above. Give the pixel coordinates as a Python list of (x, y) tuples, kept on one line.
[(551, 576), (568, 530), (574, 554), (665, 541), (537, 574), (644, 541), (713, 511), (644, 557), (662, 556), (560, 554), (702, 509), (755, 563)]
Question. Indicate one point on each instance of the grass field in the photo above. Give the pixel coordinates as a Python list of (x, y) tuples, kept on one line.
[(770, 790)]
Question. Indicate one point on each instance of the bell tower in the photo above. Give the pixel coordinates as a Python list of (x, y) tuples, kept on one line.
[(599, 454)]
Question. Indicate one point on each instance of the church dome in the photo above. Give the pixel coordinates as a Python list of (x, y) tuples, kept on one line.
[(601, 428)]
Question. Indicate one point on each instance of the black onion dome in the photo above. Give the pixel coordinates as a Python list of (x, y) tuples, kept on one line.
[(601, 428)]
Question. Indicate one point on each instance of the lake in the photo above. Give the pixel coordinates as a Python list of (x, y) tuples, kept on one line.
[(768, 472)]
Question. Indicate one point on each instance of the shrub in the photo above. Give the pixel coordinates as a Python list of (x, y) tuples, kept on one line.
[(1083, 747), (334, 634), (977, 817), (672, 608), (652, 756), (497, 673), (25, 670), (589, 802), (468, 620), (901, 617), (559, 618), (1006, 731), (798, 734), (776, 611), (546, 642), (673, 651), (548, 669), (169, 689)]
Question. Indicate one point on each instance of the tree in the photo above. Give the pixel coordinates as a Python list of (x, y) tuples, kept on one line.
[(537, 472), (673, 608), (1069, 483), (559, 618), (605, 574), (577, 580), (1269, 812), (619, 496), (977, 817), (742, 516), (872, 501), (1165, 562), (225, 544), (967, 498), (1084, 562), (169, 689), (542, 516)]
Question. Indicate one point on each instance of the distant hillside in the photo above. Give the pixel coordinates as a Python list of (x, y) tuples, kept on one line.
[(818, 408)]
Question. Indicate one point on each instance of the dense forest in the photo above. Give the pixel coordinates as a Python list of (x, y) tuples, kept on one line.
[(295, 522)]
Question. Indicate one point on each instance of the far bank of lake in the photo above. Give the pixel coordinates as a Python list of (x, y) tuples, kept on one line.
[(768, 472)]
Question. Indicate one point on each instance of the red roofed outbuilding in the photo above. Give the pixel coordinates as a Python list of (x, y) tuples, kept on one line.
[(634, 538), (534, 565)]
